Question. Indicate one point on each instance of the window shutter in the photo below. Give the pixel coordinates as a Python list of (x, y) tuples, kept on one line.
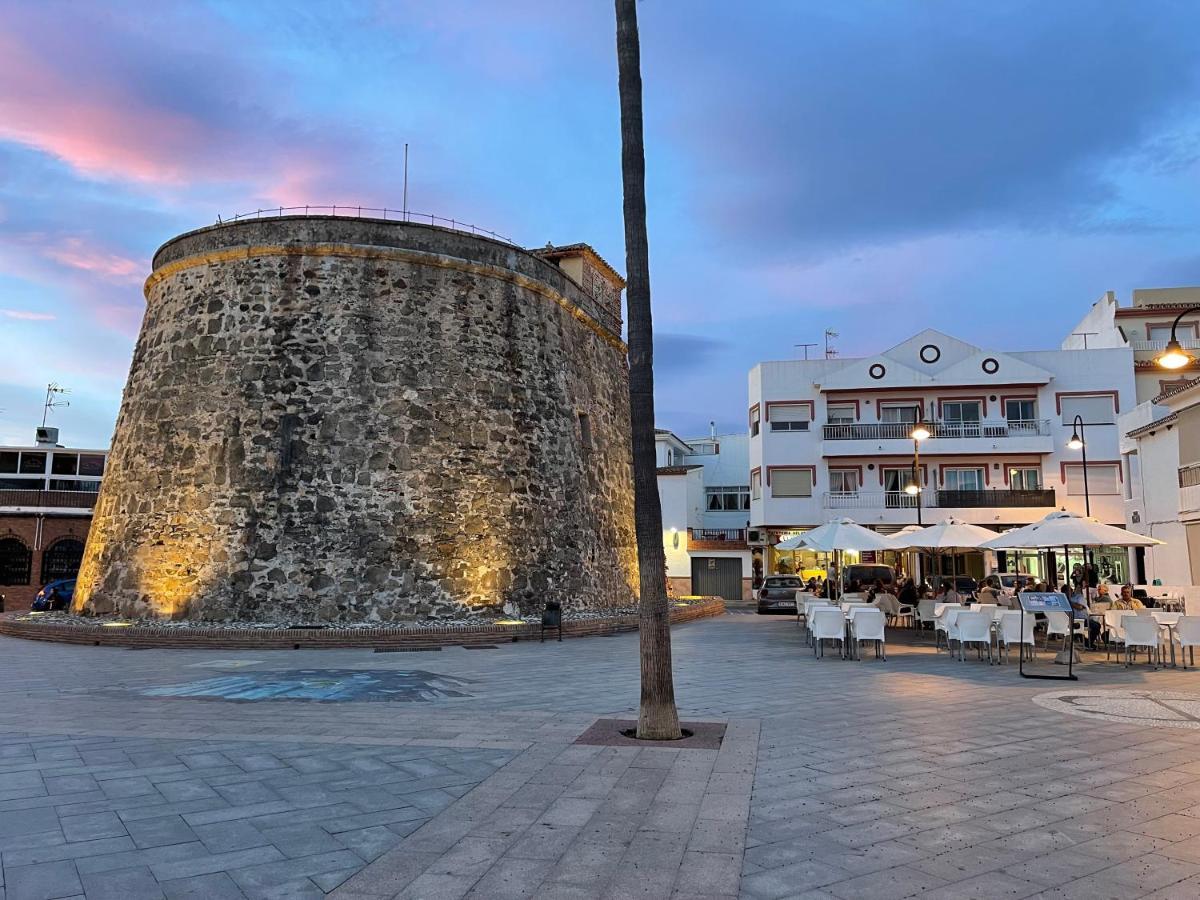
[(1093, 410), (791, 483), (1101, 480), (791, 412)]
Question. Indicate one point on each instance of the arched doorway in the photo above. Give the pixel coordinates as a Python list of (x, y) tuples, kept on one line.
[(16, 561), (61, 559)]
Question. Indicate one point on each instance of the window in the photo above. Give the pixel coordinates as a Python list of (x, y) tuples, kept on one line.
[(585, 431), (61, 559), (16, 561), (1102, 479), (790, 416), (791, 483), (1133, 472), (33, 463), (1020, 410), (727, 499), (21, 484), (963, 479), (843, 481), (1025, 478), (1173, 385), (754, 417), (73, 484), (64, 464), (962, 411), (756, 485), (891, 415), (896, 480), (91, 464), (841, 414), (8, 461), (1185, 331), (1093, 410)]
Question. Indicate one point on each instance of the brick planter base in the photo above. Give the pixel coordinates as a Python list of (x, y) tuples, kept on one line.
[(85, 632)]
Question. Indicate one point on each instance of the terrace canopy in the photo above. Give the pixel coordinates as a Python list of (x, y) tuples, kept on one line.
[(1068, 529)]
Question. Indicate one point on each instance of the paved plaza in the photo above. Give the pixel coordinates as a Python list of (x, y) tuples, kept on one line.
[(212, 774)]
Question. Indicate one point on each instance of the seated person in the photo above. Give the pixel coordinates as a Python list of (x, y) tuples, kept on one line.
[(1079, 611), (990, 592), (947, 594), (1127, 600)]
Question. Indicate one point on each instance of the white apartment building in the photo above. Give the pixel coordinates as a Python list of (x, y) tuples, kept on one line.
[(831, 437), (1160, 451), (704, 490), (1144, 327)]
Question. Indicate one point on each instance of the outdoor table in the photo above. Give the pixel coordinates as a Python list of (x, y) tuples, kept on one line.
[(1168, 620)]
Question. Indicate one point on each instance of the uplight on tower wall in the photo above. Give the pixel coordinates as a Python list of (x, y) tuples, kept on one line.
[(1173, 355)]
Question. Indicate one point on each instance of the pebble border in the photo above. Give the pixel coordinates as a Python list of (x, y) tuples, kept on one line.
[(150, 636)]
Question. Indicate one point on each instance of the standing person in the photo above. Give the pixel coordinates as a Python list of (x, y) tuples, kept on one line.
[(1080, 612)]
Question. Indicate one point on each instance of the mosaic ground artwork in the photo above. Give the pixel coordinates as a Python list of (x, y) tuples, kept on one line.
[(1156, 708), (319, 685)]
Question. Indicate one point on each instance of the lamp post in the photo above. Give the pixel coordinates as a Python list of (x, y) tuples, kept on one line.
[(1174, 356), (1077, 442), (919, 433)]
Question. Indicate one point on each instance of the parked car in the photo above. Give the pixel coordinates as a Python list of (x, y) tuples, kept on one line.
[(1009, 581), (55, 595), (778, 594), (867, 574)]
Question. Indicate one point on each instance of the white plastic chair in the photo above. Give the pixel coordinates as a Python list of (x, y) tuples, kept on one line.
[(1142, 631), (808, 607), (974, 628), (1012, 633), (869, 625), (828, 625), (925, 614), (945, 624), (1187, 636)]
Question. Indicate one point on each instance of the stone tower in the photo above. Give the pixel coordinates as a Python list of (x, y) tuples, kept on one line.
[(343, 420)]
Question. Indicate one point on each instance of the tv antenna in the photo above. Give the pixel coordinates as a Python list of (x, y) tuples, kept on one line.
[(53, 392), (830, 350), (806, 346), (1084, 335)]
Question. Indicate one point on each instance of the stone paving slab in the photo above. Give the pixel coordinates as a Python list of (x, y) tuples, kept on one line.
[(919, 775)]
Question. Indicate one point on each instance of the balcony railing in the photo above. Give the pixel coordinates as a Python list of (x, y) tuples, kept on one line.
[(939, 499), (890, 431), (1150, 346), (1189, 476), (44, 499), (733, 535)]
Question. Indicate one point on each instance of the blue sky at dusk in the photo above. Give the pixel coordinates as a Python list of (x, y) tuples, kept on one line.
[(986, 168)]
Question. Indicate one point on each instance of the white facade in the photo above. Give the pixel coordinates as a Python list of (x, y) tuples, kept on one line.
[(831, 437), (703, 488), (1160, 450), (47, 478)]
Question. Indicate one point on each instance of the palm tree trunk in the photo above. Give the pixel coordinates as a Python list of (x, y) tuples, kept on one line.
[(657, 716)]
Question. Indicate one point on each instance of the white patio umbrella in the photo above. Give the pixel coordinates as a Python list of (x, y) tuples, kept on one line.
[(836, 536), (1068, 529), (899, 545), (953, 535)]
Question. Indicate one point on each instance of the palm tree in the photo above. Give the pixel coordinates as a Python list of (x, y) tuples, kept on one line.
[(657, 717)]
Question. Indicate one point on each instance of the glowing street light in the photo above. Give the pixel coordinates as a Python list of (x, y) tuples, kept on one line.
[(1173, 355)]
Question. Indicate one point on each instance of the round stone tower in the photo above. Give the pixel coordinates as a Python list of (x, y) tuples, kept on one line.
[(335, 419)]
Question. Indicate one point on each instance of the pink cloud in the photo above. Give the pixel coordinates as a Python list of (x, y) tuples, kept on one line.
[(26, 315), (74, 252)]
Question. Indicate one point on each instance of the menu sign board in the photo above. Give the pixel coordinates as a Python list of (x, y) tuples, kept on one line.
[(1043, 601)]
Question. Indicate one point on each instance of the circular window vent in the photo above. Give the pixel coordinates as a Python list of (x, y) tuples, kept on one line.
[(930, 353), (990, 365), (877, 371)]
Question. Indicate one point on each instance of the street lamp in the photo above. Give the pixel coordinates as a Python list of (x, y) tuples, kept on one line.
[(919, 433), (1077, 442), (1174, 356)]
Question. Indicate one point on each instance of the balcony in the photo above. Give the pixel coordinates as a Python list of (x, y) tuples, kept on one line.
[(1159, 346), (940, 499), (1016, 436), (11, 500), (717, 539)]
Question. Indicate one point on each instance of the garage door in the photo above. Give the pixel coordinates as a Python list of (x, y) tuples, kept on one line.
[(717, 576)]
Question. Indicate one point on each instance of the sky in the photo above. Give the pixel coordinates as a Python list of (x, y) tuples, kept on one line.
[(986, 168)]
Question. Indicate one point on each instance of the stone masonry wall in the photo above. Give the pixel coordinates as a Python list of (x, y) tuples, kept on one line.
[(333, 419)]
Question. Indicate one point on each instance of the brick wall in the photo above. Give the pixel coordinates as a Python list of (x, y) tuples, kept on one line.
[(24, 529)]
